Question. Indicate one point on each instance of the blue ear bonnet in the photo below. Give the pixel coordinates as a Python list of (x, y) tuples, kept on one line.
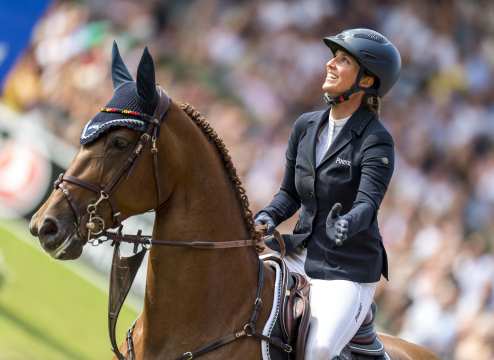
[(125, 97)]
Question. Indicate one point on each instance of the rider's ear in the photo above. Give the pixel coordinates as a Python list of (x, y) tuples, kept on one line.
[(119, 72), (146, 87), (367, 81)]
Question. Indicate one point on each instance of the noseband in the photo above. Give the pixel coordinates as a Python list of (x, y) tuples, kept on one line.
[(96, 224)]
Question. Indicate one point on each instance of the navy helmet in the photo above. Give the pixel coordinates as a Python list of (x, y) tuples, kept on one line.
[(376, 55)]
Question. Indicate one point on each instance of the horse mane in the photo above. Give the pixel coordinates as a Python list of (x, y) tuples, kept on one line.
[(240, 192)]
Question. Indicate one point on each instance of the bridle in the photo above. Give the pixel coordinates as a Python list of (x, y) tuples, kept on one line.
[(96, 224), (96, 227)]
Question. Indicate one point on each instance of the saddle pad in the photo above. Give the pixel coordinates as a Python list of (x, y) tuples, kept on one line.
[(272, 326)]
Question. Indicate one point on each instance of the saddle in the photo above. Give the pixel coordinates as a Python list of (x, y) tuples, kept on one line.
[(293, 311)]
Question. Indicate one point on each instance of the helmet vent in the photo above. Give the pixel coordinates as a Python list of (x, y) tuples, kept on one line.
[(372, 37)]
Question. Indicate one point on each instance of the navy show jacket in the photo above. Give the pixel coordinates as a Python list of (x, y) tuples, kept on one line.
[(355, 172)]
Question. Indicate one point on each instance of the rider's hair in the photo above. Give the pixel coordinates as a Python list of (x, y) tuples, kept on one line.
[(372, 102)]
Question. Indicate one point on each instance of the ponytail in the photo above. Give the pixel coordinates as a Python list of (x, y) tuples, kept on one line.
[(372, 102)]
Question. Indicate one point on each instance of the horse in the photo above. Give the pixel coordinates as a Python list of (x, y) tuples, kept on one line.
[(164, 156)]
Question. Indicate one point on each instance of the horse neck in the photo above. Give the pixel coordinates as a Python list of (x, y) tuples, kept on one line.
[(203, 206)]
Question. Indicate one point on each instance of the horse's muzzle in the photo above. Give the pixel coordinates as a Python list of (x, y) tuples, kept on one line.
[(58, 239)]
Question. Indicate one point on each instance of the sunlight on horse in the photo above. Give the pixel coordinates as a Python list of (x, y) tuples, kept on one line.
[(192, 296)]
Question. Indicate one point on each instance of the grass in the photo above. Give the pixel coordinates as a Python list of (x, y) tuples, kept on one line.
[(47, 310)]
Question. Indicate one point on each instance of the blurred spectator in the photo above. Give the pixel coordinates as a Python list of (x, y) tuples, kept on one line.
[(251, 67)]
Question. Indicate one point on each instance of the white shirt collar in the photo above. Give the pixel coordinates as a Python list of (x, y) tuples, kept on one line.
[(338, 122)]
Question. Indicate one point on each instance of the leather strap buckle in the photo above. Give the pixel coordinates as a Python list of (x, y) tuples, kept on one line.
[(187, 355), (287, 348), (248, 329)]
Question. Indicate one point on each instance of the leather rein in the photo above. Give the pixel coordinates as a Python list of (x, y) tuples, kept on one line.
[(120, 283)]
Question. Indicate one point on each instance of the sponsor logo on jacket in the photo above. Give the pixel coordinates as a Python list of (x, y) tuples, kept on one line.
[(340, 161)]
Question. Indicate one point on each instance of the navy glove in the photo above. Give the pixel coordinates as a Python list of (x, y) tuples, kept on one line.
[(336, 225), (263, 218)]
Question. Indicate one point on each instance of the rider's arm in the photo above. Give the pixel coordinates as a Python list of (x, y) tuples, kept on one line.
[(376, 170)]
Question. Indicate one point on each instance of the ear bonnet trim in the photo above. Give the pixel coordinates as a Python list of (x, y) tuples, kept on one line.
[(94, 130)]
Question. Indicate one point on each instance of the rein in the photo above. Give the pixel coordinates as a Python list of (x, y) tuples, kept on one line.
[(147, 241)]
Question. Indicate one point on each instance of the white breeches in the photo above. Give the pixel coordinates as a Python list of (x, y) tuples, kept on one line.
[(338, 308)]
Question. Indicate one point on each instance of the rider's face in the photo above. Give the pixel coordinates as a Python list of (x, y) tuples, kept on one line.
[(341, 73)]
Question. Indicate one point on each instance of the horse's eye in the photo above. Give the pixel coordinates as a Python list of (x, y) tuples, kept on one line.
[(120, 143)]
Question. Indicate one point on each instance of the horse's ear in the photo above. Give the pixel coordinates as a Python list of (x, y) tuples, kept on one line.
[(146, 86), (119, 72)]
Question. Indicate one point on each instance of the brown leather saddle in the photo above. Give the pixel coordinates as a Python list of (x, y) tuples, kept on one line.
[(292, 323)]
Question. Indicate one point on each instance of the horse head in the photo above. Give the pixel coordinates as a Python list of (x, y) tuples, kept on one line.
[(114, 175)]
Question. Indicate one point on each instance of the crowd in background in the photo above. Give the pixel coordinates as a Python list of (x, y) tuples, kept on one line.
[(252, 67)]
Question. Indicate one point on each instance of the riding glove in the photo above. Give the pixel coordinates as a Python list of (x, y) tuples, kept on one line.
[(336, 225), (263, 218)]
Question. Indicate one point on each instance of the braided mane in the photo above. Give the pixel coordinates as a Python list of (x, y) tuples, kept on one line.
[(228, 164)]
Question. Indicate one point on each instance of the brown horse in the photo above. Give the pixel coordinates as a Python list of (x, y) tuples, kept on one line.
[(193, 296)]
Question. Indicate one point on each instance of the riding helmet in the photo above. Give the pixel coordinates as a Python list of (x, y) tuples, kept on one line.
[(374, 52)]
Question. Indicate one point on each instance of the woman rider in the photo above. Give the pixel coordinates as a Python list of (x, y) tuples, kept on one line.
[(339, 163)]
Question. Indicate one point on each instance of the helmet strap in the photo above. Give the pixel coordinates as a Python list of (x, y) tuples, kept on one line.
[(338, 99)]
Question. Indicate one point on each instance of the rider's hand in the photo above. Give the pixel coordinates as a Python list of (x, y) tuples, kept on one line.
[(336, 225), (264, 219)]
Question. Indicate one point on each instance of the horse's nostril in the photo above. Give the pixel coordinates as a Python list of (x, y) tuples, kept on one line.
[(49, 229)]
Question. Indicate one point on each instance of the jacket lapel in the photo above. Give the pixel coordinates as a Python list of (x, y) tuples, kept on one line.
[(356, 124), (312, 137)]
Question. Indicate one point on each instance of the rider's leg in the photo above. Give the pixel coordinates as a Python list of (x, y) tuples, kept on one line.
[(338, 308)]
